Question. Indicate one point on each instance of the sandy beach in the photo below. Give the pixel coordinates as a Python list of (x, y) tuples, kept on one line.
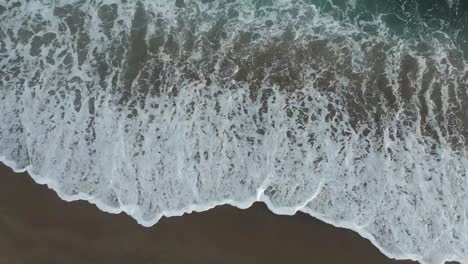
[(36, 227)]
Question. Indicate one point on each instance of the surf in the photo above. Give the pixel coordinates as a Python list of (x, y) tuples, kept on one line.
[(351, 113)]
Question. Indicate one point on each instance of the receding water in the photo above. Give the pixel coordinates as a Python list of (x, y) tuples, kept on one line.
[(355, 112)]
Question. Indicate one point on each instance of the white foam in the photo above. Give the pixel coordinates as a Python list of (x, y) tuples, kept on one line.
[(345, 125)]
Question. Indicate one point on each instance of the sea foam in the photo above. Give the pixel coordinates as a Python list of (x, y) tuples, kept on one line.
[(159, 108)]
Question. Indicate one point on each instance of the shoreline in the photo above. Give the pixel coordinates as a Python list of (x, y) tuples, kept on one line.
[(202, 229)]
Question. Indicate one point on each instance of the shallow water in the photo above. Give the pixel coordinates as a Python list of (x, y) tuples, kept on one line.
[(352, 111)]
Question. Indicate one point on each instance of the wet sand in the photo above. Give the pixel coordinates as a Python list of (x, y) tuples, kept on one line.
[(36, 227)]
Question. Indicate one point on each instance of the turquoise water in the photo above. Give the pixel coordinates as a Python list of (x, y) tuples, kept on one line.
[(411, 19), (352, 111)]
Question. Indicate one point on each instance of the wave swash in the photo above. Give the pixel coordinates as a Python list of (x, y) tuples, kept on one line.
[(355, 112)]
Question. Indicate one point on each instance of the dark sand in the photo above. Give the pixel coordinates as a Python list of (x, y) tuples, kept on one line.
[(36, 227)]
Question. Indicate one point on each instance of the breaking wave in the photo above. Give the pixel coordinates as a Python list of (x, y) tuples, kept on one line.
[(355, 112)]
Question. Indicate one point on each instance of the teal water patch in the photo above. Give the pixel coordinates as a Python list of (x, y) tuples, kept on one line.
[(411, 19)]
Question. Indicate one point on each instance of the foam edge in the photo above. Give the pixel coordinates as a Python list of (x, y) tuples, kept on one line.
[(260, 197)]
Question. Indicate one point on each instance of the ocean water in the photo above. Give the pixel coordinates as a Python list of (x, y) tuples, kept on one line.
[(355, 112)]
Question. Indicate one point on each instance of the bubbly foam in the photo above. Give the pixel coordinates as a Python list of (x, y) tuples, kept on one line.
[(158, 108)]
